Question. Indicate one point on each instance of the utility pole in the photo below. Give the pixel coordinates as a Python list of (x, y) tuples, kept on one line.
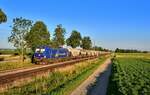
[(94, 44)]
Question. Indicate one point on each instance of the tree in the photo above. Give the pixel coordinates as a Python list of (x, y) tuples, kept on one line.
[(74, 40), (86, 43), (3, 17), (97, 48), (38, 35), (127, 51), (59, 38), (117, 50), (19, 29)]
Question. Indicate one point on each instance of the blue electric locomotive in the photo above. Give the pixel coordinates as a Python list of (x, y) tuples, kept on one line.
[(46, 52)]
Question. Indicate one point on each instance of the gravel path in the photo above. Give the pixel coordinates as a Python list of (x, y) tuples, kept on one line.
[(100, 75), (101, 83)]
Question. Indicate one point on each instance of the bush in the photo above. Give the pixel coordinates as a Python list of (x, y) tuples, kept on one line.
[(1, 58), (15, 54)]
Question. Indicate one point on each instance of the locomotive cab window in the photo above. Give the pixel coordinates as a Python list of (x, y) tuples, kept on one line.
[(42, 50), (39, 50)]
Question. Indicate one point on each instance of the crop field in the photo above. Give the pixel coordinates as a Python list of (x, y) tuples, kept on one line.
[(130, 75), (10, 65), (14, 65), (59, 82)]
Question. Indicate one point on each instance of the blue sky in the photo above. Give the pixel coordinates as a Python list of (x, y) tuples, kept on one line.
[(109, 23)]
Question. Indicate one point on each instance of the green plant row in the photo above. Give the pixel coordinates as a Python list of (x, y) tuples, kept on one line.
[(130, 76)]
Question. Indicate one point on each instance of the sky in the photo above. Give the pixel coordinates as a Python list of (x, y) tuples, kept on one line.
[(110, 23)]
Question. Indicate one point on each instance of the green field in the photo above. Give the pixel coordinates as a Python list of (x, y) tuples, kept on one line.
[(60, 82), (5, 66), (8, 51), (130, 75)]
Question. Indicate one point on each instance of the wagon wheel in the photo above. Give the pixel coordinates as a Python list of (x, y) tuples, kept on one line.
[(70, 54)]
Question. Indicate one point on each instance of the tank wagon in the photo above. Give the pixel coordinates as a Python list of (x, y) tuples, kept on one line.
[(74, 52)]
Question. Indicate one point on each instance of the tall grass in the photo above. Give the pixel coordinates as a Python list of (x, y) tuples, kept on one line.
[(58, 82)]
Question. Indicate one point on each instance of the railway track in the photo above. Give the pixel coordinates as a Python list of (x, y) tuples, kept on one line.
[(9, 77)]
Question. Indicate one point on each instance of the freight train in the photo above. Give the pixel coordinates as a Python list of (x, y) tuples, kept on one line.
[(46, 52)]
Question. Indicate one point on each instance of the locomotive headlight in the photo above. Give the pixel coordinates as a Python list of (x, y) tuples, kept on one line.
[(44, 56)]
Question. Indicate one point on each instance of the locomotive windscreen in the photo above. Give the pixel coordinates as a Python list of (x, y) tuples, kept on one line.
[(38, 50)]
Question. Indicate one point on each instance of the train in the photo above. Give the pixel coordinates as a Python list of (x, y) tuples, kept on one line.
[(47, 53)]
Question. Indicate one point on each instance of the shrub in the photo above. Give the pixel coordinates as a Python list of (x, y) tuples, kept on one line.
[(15, 54), (1, 58)]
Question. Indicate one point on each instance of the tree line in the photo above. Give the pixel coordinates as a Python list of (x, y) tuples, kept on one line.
[(129, 51), (28, 34)]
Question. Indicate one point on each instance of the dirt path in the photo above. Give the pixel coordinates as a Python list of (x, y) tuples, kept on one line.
[(100, 88), (101, 83)]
